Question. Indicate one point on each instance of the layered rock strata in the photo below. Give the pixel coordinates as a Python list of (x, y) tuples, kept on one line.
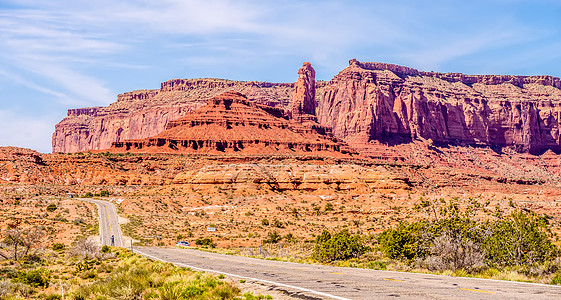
[(145, 113), (384, 102), (363, 104), (231, 122)]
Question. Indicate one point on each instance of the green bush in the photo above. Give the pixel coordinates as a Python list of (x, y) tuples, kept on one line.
[(405, 241), (458, 241), (58, 247), (104, 193), (51, 207), (273, 237), (88, 195), (340, 246), (105, 249), (278, 224), (205, 242), (35, 278), (520, 239)]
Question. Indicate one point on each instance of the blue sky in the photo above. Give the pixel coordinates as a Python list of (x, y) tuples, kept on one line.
[(56, 55)]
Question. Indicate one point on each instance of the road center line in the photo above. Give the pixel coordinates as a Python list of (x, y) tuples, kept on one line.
[(391, 279), (474, 290), (108, 219), (250, 278)]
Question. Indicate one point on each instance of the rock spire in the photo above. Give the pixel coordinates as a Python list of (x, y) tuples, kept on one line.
[(304, 100)]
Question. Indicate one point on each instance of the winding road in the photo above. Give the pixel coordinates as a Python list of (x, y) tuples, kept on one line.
[(306, 281), (108, 222)]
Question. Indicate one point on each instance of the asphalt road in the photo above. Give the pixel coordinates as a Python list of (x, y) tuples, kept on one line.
[(324, 282), (108, 222)]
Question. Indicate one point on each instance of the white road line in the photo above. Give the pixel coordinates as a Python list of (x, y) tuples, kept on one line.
[(249, 278)]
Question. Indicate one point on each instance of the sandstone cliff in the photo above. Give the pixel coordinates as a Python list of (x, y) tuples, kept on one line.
[(364, 104), (374, 101)]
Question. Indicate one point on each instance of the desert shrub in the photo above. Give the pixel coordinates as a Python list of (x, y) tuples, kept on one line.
[(104, 193), (35, 278), (51, 207), (139, 278), (88, 274), (84, 248), (278, 224), (405, 241), (289, 238), (88, 195), (205, 242), (58, 247), (520, 239), (340, 246), (457, 241), (105, 249), (197, 286), (265, 222), (453, 252), (273, 237), (5, 288), (10, 289)]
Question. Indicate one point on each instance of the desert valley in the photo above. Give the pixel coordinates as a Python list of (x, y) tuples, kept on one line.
[(271, 166)]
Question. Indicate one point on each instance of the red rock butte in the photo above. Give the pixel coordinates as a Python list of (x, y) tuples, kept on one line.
[(230, 123), (364, 105)]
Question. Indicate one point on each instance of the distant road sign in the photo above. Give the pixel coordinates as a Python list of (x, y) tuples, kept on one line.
[(211, 229)]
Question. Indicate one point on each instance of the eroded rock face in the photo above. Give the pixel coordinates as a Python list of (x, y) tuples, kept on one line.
[(384, 102), (304, 103), (145, 113), (231, 123)]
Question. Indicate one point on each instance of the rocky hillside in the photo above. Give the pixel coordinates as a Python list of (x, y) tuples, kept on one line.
[(231, 123)]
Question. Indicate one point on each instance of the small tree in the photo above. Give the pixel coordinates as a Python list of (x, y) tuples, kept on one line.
[(520, 239), (19, 242)]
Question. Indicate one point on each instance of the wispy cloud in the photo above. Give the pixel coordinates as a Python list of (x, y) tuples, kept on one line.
[(32, 85), (26, 132), (84, 90), (78, 53)]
